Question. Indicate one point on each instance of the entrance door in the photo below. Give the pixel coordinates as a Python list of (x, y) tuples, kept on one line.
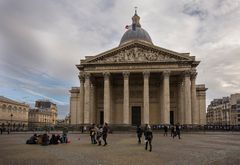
[(101, 117), (171, 117), (136, 115)]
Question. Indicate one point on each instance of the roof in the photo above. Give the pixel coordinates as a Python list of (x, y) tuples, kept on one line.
[(7, 100), (136, 34)]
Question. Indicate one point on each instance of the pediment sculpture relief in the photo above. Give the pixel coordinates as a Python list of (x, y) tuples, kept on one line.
[(139, 55)]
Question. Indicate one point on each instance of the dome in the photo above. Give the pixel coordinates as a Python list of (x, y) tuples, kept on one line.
[(135, 32)]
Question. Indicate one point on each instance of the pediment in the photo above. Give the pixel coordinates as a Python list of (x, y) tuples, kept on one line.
[(138, 53)]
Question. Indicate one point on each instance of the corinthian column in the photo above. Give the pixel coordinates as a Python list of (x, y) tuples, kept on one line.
[(80, 112), (126, 98), (106, 101), (92, 101), (195, 114), (87, 99), (187, 98), (166, 98), (180, 102), (146, 97)]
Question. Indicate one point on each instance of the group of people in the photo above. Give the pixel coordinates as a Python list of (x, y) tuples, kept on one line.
[(147, 134), (4, 130), (99, 133), (43, 139), (175, 131)]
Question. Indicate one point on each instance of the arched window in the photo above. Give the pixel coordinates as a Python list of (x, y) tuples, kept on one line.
[(4, 107), (15, 109), (20, 110), (9, 108)]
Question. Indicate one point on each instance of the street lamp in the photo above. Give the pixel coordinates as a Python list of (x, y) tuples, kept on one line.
[(45, 123), (11, 120)]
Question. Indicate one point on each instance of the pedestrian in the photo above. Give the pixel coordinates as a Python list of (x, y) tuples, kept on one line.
[(148, 137), (165, 130), (82, 129), (45, 140), (177, 133), (32, 140), (92, 134), (1, 130), (139, 134), (64, 136), (105, 133), (172, 130), (99, 134)]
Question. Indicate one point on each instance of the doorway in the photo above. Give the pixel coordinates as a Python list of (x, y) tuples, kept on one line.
[(136, 115), (101, 117), (171, 117)]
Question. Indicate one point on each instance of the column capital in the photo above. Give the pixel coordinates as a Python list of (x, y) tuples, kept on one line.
[(146, 74), (81, 78), (106, 75), (166, 73), (126, 74), (87, 75), (187, 73), (193, 75)]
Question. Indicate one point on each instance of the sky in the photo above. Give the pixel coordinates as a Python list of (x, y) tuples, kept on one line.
[(42, 41)]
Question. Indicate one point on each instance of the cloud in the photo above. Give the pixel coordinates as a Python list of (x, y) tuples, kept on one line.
[(41, 41)]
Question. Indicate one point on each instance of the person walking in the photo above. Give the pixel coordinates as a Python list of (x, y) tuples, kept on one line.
[(172, 130), (165, 130), (148, 137), (92, 134), (177, 133), (99, 131), (139, 134), (105, 133)]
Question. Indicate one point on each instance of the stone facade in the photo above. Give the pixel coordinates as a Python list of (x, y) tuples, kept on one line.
[(43, 115), (218, 112), (13, 114), (138, 83), (225, 111)]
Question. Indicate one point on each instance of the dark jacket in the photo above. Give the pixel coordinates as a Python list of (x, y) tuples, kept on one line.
[(105, 131), (148, 134), (139, 131)]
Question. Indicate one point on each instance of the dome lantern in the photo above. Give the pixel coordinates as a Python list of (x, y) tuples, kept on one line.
[(135, 32)]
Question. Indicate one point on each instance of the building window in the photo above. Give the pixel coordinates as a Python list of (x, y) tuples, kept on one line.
[(9, 108), (15, 109), (4, 107)]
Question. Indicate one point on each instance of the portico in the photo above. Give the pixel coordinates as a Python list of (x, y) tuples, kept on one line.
[(138, 83)]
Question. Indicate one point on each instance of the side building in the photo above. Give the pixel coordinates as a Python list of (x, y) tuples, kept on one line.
[(224, 111), (44, 114), (235, 108), (13, 114)]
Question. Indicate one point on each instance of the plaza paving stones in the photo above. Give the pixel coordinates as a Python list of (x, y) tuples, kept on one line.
[(192, 149)]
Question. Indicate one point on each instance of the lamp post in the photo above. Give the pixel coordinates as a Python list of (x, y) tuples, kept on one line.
[(11, 120), (45, 124)]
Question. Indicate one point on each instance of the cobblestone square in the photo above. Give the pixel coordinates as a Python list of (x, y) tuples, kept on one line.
[(209, 148)]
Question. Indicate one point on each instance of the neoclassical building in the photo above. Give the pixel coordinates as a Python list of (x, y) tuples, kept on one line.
[(13, 114), (138, 82), (44, 114)]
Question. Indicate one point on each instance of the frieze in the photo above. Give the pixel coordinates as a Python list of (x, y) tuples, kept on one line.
[(138, 55)]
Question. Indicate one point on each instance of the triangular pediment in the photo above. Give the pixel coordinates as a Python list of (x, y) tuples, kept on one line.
[(137, 52)]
